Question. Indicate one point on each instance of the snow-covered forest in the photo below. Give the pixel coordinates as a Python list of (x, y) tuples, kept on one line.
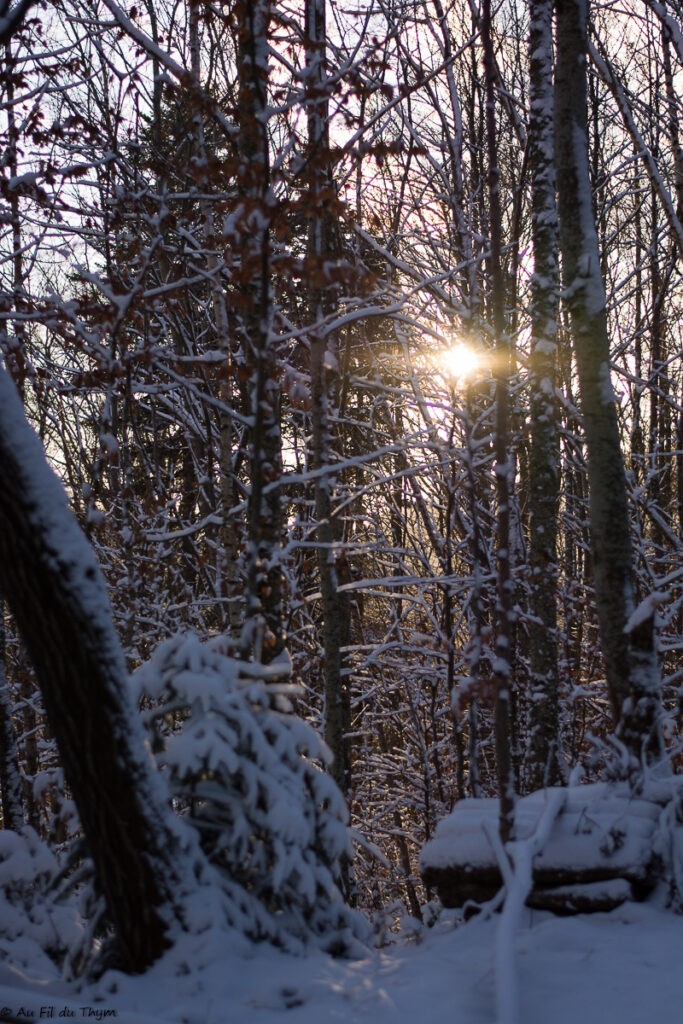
[(341, 485)]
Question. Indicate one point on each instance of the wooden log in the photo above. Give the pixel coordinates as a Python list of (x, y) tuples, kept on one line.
[(582, 899), (604, 834)]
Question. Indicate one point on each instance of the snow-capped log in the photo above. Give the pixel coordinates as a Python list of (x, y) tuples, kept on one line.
[(606, 846)]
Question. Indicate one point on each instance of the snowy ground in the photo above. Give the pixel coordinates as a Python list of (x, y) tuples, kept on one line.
[(625, 967)]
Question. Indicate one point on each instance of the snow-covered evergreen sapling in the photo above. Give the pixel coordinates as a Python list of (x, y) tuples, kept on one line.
[(38, 931), (248, 774)]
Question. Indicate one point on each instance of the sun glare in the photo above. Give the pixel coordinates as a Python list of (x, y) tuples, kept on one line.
[(459, 362)]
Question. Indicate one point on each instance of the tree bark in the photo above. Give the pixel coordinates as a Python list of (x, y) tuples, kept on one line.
[(264, 622), (502, 666), (543, 744), (231, 584), (634, 705), (322, 302), (53, 587)]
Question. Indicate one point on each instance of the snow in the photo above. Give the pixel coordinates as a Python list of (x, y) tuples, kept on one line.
[(273, 820), (617, 968), (596, 810), (70, 554), (606, 388), (518, 884), (647, 608)]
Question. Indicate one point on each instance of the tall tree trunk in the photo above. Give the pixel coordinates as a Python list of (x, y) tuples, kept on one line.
[(264, 629), (13, 346), (322, 301), (543, 760), (634, 700), (13, 349), (478, 602), (54, 589), (502, 666), (230, 545)]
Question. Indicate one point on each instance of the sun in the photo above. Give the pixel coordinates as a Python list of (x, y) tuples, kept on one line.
[(459, 362)]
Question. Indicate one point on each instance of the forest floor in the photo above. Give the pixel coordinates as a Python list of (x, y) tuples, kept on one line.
[(622, 967)]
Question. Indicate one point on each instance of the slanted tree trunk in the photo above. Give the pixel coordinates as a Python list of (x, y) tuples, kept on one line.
[(634, 700), (543, 761), (52, 584)]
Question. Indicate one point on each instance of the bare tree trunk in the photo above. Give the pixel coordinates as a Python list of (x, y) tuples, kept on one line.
[(13, 348), (634, 701), (264, 630), (502, 667), (478, 603), (322, 300), (672, 100), (52, 584), (228, 558), (543, 754)]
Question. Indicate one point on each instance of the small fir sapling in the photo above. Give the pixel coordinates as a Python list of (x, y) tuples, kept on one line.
[(248, 775), (39, 931)]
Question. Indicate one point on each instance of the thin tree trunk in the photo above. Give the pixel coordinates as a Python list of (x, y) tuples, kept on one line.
[(264, 628), (672, 100), (322, 300), (502, 667), (478, 602), (543, 760), (228, 558), (13, 347)]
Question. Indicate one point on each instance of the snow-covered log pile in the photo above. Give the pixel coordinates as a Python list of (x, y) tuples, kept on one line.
[(606, 846)]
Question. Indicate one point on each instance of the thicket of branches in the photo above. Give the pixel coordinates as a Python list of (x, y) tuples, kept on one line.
[(238, 241)]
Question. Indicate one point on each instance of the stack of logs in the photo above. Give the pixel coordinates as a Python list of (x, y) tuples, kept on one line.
[(606, 846)]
